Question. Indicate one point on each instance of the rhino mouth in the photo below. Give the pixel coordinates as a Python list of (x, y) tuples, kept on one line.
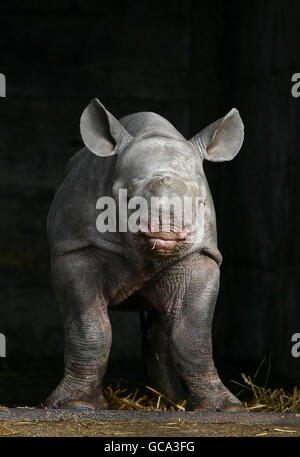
[(165, 241)]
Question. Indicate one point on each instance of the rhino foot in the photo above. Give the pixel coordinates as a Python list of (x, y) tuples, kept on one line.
[(64, 398), (77, 404), (226, 402)]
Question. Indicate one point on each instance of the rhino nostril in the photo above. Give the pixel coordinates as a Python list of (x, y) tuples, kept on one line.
[(166, 180)]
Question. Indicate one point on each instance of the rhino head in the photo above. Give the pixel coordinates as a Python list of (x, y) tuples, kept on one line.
[(155, 164)]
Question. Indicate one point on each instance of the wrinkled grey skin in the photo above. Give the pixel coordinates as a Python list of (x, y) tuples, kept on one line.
[(176, 280)]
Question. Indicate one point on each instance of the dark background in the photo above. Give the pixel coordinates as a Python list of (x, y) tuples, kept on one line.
[(190, 61)]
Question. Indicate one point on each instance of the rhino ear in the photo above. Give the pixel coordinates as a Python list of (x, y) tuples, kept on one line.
[(101, 132), (221, 140)]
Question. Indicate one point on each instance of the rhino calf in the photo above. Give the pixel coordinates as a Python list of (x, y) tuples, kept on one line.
[(174, 273)]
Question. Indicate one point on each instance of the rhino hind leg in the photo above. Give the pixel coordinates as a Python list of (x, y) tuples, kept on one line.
[(87, 331), (160, 371)]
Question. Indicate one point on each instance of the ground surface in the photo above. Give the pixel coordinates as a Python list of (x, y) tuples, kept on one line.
[(42, 422), (141, 428), (32, 384)]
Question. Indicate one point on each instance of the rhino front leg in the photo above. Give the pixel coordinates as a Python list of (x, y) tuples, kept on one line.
[(77, 286), (186, 294)]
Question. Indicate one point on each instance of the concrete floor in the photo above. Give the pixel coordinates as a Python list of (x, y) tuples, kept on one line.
[(43, 422)]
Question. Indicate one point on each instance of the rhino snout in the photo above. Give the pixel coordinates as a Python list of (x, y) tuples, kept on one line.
[(167, 186)]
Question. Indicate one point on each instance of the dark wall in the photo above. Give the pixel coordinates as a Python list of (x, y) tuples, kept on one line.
[(257, 195), (190, 61)]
